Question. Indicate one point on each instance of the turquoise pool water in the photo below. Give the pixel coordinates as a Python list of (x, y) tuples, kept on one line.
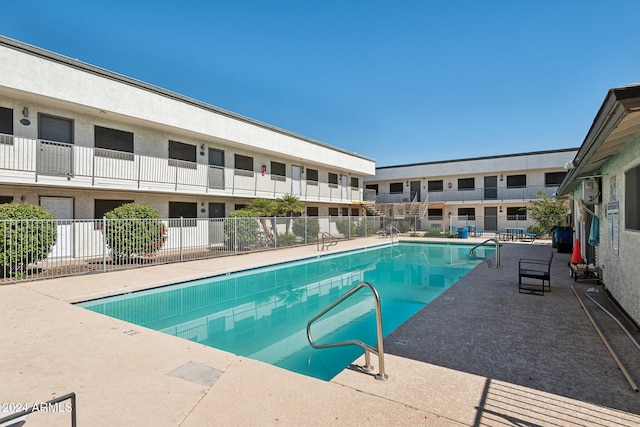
[(262, 313)]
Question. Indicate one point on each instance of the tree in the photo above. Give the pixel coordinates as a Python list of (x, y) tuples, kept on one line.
[(241, 229), (27, 234), (134, 229), (288, 205), (548, 211), (263, 208)]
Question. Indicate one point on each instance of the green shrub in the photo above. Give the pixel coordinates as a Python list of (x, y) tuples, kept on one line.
[(345, 227), (433, 232), (27, 234), (312, 228), (362, 228), (241, 230), (537, 230), (134, 229), (285, 239)]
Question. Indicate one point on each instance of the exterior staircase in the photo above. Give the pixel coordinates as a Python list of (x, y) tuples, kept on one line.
[(371, 208)]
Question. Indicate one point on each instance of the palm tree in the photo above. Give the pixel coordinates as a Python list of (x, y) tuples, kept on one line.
[(264, 208), (288, 205)]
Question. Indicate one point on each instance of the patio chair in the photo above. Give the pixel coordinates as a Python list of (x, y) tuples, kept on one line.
[(534, 269)]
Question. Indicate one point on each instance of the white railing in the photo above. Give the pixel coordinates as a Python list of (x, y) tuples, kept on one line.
[(42, 249), (473, 195), (25, 161)]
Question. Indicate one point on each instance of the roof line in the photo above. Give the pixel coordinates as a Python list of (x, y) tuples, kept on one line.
[(562, 150), (102, 72)]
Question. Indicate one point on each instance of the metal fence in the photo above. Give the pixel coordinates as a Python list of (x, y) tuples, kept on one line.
[(42, 249), (483, 224)]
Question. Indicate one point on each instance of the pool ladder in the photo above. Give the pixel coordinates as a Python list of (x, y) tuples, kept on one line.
[(497, 243), (327, 241), (367, 348)]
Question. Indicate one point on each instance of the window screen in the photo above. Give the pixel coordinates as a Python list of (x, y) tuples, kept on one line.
[(113, 139)]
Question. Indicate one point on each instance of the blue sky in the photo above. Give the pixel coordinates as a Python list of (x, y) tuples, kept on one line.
[(398, 81)]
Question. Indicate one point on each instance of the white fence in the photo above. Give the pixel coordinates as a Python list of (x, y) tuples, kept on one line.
[(32, 250)]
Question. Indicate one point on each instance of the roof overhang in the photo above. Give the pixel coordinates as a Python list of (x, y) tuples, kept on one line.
[(615, 124)]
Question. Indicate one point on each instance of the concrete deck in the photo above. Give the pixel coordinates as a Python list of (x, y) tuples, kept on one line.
[(481, 354)]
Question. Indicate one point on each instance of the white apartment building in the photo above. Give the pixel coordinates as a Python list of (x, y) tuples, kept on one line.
[(603, 186), (80, 140), (490, 192)]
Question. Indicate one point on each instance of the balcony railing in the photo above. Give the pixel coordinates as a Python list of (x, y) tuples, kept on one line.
[(24, 160), (480, 195)]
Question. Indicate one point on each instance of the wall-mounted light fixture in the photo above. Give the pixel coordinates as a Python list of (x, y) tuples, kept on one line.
[(501, 177), (500, 209), (202, 149), (407, 183), (25, 111), (301, 169)]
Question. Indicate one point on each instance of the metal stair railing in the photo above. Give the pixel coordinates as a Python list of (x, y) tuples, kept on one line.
[(497, 243), (52, 405), (367, 348), (327, 240)]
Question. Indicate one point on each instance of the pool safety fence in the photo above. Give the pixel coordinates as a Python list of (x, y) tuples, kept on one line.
[(43, 249)]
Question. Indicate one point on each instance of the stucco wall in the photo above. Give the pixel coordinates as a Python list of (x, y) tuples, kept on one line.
[(75, 88), (622, 270)]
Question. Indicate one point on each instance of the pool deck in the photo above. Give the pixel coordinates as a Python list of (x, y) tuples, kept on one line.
[(481, 354)]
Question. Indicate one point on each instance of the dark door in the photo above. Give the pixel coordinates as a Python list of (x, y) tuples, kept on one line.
[(216, 169), (490, 187), (415, 190), (491, 219), (55, 136), (216, 224)]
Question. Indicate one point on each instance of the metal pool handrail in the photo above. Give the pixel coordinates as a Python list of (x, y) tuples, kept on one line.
[(497, 242), (367, 348)]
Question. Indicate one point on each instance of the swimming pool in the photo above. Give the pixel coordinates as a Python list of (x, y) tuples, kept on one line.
[(262, 313)]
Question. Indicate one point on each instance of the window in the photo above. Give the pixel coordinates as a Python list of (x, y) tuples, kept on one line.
[(333, 180), (632, 199), (517, 213), (6, 121), (237, 207), (434, 213), (516, 181), (278, 171), (312, 211), (5, 199), (184, 210), (554, 179), (181, 154), (333, 211), (373, 187), (243, 163), (101, 207), (470, 213), (355, 182), (435, 185), (355, 212), (113, 140), (345, 211), (396, 188), (466, 184), (312, 175)]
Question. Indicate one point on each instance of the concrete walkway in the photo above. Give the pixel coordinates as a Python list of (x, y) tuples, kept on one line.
[(480, 354)]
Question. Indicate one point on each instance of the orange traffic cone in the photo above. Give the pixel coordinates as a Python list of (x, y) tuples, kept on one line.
[(576, 258)]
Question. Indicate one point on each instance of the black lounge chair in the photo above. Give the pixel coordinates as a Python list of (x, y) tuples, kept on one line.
[(534, 269)]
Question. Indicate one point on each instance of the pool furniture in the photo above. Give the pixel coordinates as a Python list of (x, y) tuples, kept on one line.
[(534, 269), (515, 233)]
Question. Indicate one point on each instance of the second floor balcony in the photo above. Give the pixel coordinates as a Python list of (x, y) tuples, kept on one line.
[(476, 195), (35, 161)]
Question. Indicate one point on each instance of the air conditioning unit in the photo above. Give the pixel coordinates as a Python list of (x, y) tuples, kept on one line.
[(590, 191)]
